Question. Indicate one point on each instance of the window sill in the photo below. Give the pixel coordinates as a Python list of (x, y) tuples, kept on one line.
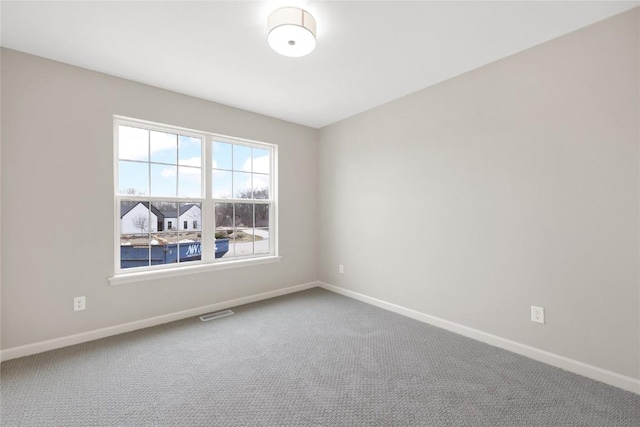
[(144, 276)]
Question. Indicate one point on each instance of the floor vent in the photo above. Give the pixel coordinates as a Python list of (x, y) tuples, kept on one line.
[(216, 315)]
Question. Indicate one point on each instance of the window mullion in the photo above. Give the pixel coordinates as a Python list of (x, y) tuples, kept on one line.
[(208, 205), (149, 163), (272, 217), (118, 240), (273, 195)]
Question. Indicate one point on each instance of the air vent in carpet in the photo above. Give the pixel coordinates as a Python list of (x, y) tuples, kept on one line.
[(216, 315)]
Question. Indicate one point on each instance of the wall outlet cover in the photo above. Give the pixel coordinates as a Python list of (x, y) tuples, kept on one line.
[(79, 303), (537, 314)]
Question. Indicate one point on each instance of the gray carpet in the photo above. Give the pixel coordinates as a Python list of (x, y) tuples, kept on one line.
[(308, 359)]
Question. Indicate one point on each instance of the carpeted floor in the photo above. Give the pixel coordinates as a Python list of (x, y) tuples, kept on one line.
[(313, 358)]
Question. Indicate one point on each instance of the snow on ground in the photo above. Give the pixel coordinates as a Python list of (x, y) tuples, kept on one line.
[(256, 232)]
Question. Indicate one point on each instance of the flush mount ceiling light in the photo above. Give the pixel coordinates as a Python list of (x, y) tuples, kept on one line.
[(292, 31)]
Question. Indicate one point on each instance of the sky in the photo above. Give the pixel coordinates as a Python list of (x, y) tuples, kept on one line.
[(165, 164)]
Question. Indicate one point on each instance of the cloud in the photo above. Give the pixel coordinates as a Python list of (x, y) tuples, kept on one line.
[(193, 161), (168, 172), (133, 143), (161, 141), (260, 182), (137, 144), (260, 164), (190, 173)]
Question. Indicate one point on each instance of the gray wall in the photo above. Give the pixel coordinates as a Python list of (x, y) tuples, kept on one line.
[(513, 185), (57, 165)]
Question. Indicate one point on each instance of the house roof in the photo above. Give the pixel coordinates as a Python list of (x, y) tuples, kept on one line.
[(183, 209), (126, 209)]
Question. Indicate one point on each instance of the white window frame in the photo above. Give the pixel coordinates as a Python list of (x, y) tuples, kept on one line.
[(208, 261)]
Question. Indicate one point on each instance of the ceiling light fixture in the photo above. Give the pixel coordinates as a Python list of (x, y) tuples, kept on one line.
[(292, 31)]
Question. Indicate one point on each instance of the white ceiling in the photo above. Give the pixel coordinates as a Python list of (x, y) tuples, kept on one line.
[(368, 53)]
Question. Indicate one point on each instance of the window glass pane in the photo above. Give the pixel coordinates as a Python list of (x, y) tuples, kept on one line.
[(133, 178), (260, 186), (241, 158), (190, 213), (189, 182), (134, 218), (230, 241), (242, 185), (223, 246), (166, 215), (164, 247), (243, 214), (222, 155), (262, 215), (225, 238), (243, 242), (190, 243), (164, 147), (134, 234), (164, 237), (261, 236), (190, 249), (221, 184), (163, 180), (224, 216), (190, 151), (261, 160), (134, 253), (133, 143)]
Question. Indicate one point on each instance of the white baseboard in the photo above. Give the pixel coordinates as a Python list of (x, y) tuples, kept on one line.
[(52, 344), (571, 365)]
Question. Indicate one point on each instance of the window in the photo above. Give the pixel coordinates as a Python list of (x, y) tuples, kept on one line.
[(168, 178)]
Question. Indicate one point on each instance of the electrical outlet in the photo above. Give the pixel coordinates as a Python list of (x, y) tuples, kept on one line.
[(537, 314), (79, 303), (341, 269)]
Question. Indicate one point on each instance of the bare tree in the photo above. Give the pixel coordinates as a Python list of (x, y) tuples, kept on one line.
[(260, 193), (130, 192), (166, 207), (243, 214), (141, 222)]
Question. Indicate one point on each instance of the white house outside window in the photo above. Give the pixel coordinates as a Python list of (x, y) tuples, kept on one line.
[(185, 197)]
